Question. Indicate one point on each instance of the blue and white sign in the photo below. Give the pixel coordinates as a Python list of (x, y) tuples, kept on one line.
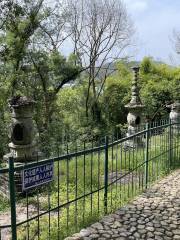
[(36, 176)]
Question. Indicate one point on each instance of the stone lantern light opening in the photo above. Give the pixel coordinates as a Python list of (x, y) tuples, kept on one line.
[(18, 132), (135, 108)]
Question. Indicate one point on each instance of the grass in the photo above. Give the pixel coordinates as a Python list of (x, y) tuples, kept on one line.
[(4, 204), (83, 175)]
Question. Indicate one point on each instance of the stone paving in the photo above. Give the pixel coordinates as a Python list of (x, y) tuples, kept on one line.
[(153, 215)]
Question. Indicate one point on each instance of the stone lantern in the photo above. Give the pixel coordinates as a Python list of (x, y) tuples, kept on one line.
[(175, 116), (135, 107), (22, 145)]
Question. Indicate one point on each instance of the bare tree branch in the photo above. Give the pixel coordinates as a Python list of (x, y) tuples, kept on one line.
[(102, 30)]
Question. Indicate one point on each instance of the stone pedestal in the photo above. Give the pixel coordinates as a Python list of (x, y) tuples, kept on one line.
[(134, 117)]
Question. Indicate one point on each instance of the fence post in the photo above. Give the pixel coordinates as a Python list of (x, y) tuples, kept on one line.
[(106, 176), (170, 144), (147, 155), (12, 198)]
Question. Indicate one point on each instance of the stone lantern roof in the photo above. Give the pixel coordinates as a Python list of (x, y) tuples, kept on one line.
[(19, 101), (135, 102), (176, 105), (21, 106)]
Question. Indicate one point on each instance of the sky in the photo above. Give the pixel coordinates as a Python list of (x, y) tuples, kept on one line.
[(155, 21)]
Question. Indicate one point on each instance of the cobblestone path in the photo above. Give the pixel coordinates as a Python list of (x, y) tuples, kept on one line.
[(153, 215)]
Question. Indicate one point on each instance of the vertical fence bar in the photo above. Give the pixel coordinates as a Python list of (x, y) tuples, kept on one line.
[(106, 176), (99, 174), (170, 145), (178, 145), (147, 155), (12, 198), (84, 184), (67, 193)]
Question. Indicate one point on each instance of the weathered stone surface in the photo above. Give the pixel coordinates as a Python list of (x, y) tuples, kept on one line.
[(97, 226), (85, 233), (176, 237), (153, 215)]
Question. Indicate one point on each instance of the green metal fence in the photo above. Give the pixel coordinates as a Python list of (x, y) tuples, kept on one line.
[(90, 182)]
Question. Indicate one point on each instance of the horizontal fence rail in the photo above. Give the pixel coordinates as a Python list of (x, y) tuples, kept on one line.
[(89, 182)]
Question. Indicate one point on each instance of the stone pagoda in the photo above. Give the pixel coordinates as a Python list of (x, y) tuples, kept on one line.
[(135, 108)]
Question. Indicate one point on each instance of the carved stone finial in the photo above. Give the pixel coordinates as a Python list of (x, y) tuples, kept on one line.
[(136, 69), (135, 98)]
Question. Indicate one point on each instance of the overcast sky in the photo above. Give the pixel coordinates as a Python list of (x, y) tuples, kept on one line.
[(155, 21)]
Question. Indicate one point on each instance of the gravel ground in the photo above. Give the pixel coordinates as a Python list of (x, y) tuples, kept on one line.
[(21, 215)]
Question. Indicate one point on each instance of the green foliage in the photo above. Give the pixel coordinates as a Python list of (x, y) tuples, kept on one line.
[(147, 66), (116, 95), (158, 87), (34, 72), (4, 204)]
